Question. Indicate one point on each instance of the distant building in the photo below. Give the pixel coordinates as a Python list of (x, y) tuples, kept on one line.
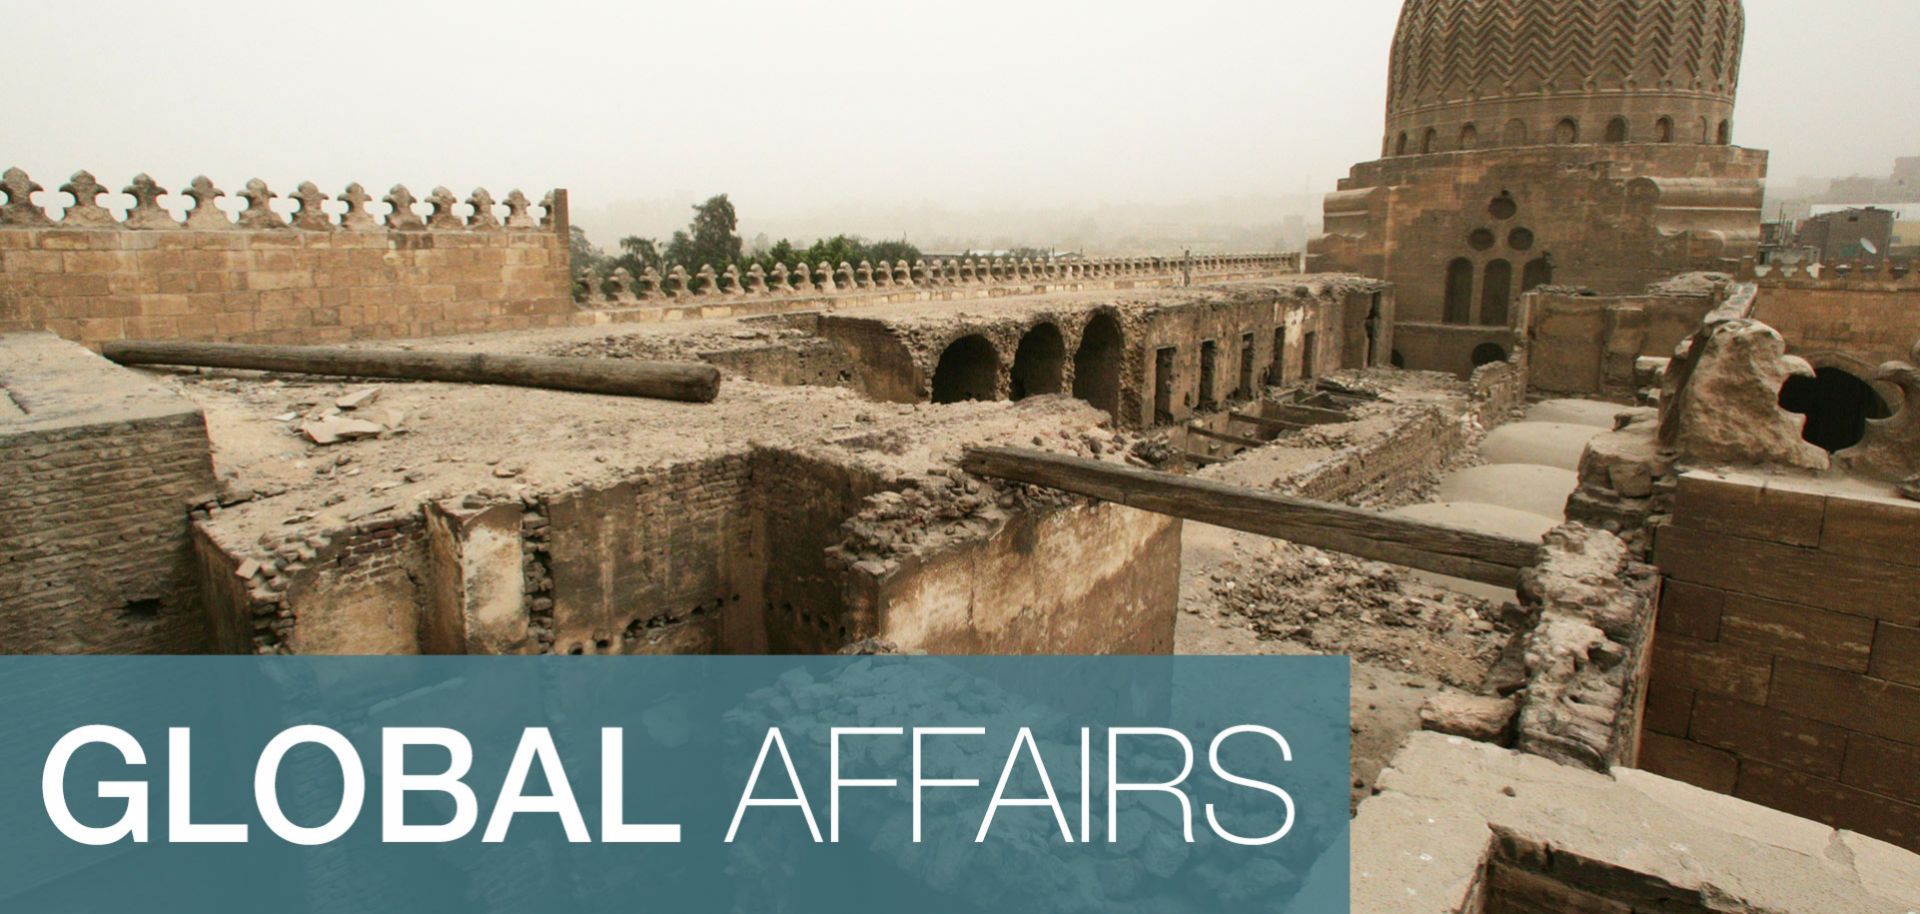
[(1851, 233)]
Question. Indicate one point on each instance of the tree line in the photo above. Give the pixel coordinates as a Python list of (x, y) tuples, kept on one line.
[(712, 239)]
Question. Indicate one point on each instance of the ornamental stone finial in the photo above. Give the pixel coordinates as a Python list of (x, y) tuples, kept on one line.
[(356, 218), (20, 208), (205, 215), (147, 213), (259, 214), (312, 214), (403, 218), (86, 210)]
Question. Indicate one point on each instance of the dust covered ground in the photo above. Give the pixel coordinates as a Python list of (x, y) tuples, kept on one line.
[(1242, 593)]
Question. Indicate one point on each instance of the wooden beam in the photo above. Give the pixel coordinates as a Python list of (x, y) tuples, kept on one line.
[(1264, 423), (1312, 415), (1204, 460), (1205, 432), (692, 381), (1483, 557)]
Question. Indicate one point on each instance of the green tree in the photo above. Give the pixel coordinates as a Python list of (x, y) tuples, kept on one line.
[(637, 254), (711, 239), (582, 256), (892, 252)]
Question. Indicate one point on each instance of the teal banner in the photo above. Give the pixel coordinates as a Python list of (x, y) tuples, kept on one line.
[(577, 785)]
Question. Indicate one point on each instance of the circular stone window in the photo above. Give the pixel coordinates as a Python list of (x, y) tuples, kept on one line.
[(1520, 239), (1481, 239), (1503, 207)]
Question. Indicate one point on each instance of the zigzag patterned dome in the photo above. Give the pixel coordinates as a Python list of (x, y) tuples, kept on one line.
[(1470, 68)]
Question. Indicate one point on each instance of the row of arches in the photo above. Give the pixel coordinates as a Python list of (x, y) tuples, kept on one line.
[(970, 367), (1567, 131), (1497, 292)]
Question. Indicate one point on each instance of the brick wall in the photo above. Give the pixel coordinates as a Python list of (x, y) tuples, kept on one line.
[(92, 277), (1865, 321), (98, 471), (1587, 345), (1786, 663)]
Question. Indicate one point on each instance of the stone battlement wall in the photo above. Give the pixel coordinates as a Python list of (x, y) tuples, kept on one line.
[(317, 270), (1786, 662), (1850, 316)]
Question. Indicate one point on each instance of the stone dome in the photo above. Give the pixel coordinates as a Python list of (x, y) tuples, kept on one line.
[(1476, 73)]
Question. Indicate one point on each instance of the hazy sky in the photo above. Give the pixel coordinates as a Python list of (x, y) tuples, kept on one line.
[(795, 107)]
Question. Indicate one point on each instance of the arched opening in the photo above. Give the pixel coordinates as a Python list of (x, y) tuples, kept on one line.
[(1397, 360), (1617, 130), (1726, 133), (1096, 364), (1538, 272), (1663, 130), (1496, 293), (1706, 131), (1567, 131), (969, 369), (1244, 390), (1039, 364), (1837, 406), (1516, 134), (1459, 303), (1400, 145), (1469, 136), (1209, 373), (1431, 141), (1488, 353)]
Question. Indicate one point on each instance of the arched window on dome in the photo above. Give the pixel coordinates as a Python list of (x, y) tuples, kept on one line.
[(1430, 142), (1496, 293), (1539, 272), (1516, 134), (1400, 145), (1567, 131), (1469, 137), (1663, 130), (1459, 301), (1617, 130), (1726, 133), (1706, 131)]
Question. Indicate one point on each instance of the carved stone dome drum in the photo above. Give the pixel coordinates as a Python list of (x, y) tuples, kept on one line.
[(1470, 74)]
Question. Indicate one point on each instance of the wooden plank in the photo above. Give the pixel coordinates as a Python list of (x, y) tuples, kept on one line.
[(1312, 415), (691, 381), (1242, 441), (1203, 460), (1483, 557), (1264, 423)]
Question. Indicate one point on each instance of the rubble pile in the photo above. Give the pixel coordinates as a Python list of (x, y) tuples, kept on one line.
[(1379, 614)]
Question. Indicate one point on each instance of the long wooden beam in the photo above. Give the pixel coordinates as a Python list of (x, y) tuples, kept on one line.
[(1483, 557), (1264, 423), (1240, 440), (1312, 415), (692, 381)]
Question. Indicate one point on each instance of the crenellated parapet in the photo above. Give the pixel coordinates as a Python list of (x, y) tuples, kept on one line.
[(1877, 274), (142, 206), (931, 278), (249, 264)]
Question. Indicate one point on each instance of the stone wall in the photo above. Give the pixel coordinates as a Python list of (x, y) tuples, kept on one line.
[(1852, 319), (1587, 345), (1463, 235), (1786, 665), (426, 268), (98, 471), (1087, 579)]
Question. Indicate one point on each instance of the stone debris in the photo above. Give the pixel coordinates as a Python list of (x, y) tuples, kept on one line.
[(335, 429), (358, 398), (1480, 717)]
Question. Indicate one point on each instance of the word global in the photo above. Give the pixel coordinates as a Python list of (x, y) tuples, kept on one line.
[(537, 748)]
